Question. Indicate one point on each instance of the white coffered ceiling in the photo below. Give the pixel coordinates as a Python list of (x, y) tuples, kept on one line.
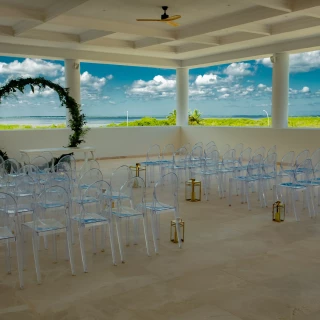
[(210, 31)]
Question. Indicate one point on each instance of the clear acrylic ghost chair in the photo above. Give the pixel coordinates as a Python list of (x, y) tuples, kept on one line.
[(302, 157), (51, 217), (195, 160), (41, 163), (166, 158), (253, 175), (152, 163), (25, 159), (224, 149), (238, 149), (165, 200), (210, 144), (272, 150), (118, 178), (208, 170), (316, 180), (269, 175), (50, 158), (209, 148), (288, 192), (94, 215), (287, 167), (71, 161), (315, 157), (198, 144), (11, 169), (24, 191), (179, 165), (87, 165), (244, 158), (187, 146), (261, 150), (227, 167), (131, 210), (8, 210)]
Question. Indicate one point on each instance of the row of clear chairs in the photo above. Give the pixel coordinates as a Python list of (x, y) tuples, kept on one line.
[(55, 196)]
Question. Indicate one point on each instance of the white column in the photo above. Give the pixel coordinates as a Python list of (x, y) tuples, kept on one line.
[(182, 88), (280, 90), (72, 74)]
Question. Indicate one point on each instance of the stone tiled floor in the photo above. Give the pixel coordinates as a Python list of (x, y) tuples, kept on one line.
[(234, 265)]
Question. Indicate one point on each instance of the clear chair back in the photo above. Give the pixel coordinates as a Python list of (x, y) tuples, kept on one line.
[(211, 159), (245, 157), (270, 165), (287, 162), (8, 205), (304, 171), (198, 144), (228, 159), (261, 150), (315, 157), (166, 190), (41, 163), (254, 168), (135, 188), (154, 153), (196, 154), (119, 177), (90, 177), (302, 157), (168, 152), (272, 150), (181, 157), (238, 149), (225, 148)]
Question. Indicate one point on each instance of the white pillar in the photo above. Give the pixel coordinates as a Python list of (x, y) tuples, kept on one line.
[(72, 74), (182, 88), (280, 90)]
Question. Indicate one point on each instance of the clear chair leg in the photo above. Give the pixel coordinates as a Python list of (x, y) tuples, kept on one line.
[(111, 237), (230, 191), (135, 231), (145, 229), (94, 240), (70, 251), (127, 223), (82, 249), (8, 259), (36, 255), (154, 231), (20, 260), (118, 227), (293, 200), (55, 253), (103, 238)]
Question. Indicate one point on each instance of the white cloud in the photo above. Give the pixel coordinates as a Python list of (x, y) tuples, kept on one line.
[(305, 90), (238, 69), (31, 68), (224, 96), (109, 77), (88, 80), (159, 86), (261, 86), (206, 79), (223, 89), (44, 93)]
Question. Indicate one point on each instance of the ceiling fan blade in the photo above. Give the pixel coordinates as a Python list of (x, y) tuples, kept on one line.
[(173, 24), (148, 19), (172, 18)]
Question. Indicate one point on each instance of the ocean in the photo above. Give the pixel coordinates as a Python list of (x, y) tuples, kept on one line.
[(94, 121)]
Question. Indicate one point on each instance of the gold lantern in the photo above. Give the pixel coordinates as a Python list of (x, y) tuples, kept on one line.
[(139, 171), (193, 190), (278, 211), (173, 231)]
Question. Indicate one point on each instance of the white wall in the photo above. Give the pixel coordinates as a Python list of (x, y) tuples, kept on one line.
[(285, 139), (116, 142), (109, 142)]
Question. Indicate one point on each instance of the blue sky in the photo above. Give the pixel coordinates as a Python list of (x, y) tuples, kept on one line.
[(242, 88)]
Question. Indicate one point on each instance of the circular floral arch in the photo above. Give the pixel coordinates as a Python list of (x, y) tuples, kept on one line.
[(77, 119)]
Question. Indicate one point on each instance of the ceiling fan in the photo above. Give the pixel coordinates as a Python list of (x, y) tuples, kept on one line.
[(165, 18)]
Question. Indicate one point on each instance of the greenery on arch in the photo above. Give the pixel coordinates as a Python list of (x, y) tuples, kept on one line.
[(77, 119)]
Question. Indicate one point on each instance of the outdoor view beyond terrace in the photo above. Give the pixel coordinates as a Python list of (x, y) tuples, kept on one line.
[(236, 94)]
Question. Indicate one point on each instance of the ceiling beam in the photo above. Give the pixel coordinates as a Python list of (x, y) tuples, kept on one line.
[(58, 8), (256, 28), (50, 36), (112, 43), (114, 26), (239, 37), (282, 5), (93, 35), (83, 55), (229, 21), (191, 47), (303, 44), (296, 25), (6, 31), (300, 5), (204, 40), (148, 42), (23, 13)]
